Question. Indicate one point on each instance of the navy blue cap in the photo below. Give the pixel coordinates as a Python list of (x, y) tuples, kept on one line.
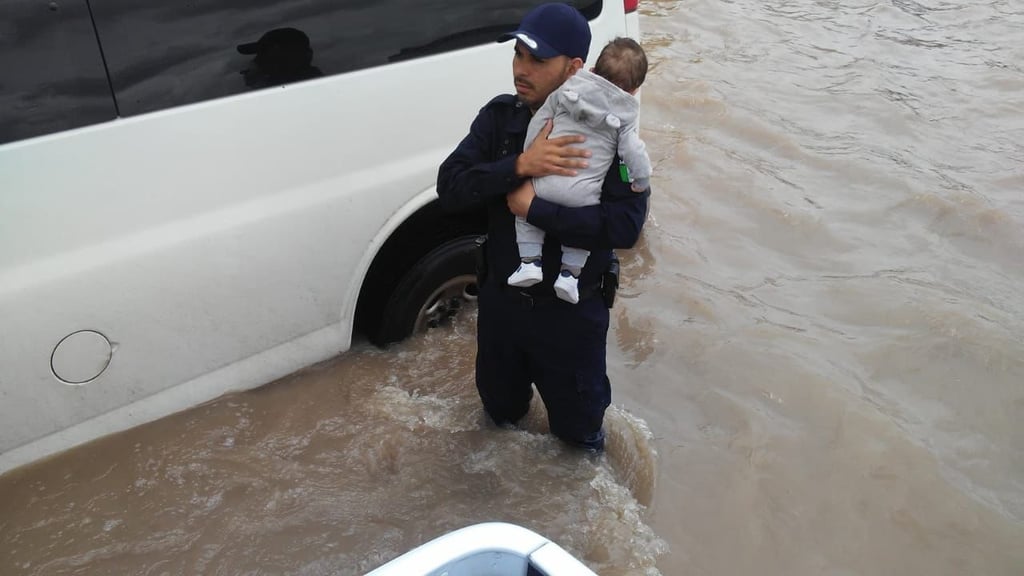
[(551, 30)]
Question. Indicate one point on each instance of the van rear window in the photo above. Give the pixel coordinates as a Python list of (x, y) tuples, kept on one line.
[(52, 72), (147, 55), (162, 54)]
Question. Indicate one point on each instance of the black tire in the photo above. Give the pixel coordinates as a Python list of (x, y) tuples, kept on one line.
[(431, 292)]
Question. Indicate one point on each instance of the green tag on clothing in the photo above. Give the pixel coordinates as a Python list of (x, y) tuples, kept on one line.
[(624, 172)]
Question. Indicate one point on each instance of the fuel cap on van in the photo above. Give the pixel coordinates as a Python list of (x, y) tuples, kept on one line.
[(81, 357)]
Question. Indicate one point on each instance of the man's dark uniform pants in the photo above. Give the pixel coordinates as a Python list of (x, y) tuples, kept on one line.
[(558, 346)]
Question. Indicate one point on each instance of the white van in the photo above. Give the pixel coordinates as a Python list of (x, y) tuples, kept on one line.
[(197, 198)]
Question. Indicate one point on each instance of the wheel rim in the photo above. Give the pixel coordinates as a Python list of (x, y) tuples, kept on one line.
[(445, 302)]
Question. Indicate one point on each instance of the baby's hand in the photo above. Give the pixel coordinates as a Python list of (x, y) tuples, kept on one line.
[(640, 184)]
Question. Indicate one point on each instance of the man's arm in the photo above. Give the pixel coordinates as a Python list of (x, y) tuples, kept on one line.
[(468, 178), (614, 223)]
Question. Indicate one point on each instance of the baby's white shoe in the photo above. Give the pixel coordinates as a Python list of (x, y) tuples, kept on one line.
[(528, 274), (567, 287)]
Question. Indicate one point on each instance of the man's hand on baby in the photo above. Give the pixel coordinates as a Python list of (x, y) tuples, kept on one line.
[(545, 157)]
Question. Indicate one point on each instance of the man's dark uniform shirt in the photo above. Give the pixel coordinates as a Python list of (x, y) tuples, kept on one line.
[(528, 335)]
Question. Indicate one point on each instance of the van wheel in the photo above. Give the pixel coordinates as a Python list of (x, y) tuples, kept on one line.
[(432, 292)]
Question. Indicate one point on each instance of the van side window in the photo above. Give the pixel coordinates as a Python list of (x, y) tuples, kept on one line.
[(162, 54), (51, 72)]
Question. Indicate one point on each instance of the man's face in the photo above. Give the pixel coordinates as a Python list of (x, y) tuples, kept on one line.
[(536, 78)]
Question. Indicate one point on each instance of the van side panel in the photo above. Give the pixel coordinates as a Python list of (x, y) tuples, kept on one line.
[(197, 237)]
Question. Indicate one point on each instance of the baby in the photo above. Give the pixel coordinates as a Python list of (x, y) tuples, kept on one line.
[(601, 106)]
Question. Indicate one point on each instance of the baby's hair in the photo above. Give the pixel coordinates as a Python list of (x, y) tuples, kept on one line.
[(623, 63)]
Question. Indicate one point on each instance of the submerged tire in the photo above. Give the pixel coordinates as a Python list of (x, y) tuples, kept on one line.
[(431, 292)]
